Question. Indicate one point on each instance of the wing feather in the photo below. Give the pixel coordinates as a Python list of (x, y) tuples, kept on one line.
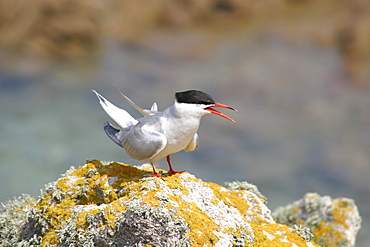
[(193, 144), (142, 144)]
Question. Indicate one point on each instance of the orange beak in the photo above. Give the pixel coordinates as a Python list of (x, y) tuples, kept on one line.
[(211, 110)]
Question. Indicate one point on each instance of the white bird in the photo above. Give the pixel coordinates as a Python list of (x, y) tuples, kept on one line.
[(160, 134)]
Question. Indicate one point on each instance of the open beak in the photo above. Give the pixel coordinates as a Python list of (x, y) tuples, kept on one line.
[(211, 110)]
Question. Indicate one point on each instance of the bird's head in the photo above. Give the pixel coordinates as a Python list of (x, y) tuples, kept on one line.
[(200, 102)]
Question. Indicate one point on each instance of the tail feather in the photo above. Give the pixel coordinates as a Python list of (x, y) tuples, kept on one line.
[(145, 112), (120, 116), (141, 110)]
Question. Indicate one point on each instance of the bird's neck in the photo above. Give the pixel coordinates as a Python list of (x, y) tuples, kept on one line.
[(183, 112), (181, 122)]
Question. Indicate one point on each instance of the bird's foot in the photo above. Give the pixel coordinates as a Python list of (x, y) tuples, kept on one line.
[(172, 172), (156, 175)]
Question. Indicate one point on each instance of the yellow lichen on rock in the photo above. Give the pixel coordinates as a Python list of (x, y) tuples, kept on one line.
[(230, 198), (268, 235), (114, 204), (201, 228), (332, 231), (117, 204), (91, 184), (333, 222)]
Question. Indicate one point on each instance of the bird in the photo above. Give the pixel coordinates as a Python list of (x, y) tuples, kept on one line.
[(160, 134)]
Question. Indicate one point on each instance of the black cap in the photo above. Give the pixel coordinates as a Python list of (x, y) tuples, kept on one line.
[(194, 97)]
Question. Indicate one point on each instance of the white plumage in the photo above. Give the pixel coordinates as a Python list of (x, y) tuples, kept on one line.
[(160, 134)]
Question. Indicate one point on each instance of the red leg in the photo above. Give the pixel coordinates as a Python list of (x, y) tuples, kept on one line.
[(171, 171), (155, 174)]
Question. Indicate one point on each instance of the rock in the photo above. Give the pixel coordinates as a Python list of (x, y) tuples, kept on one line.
[(116, 204), (334, 222)]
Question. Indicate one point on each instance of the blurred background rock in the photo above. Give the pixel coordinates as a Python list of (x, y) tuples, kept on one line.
[(298, 71)]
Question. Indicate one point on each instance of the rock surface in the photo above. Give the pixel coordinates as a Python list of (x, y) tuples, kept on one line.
[(115, 204), (334, 222)]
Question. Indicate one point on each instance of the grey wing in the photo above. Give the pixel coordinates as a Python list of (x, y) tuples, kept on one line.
[(142, 144), (193, 144)]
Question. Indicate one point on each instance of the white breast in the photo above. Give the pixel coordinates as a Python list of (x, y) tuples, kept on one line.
[(179, 131)]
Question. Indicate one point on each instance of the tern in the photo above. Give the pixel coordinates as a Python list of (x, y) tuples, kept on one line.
[(160, 134)]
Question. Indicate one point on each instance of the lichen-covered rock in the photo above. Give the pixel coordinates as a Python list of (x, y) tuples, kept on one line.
[(119, 205), (333, 222)]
